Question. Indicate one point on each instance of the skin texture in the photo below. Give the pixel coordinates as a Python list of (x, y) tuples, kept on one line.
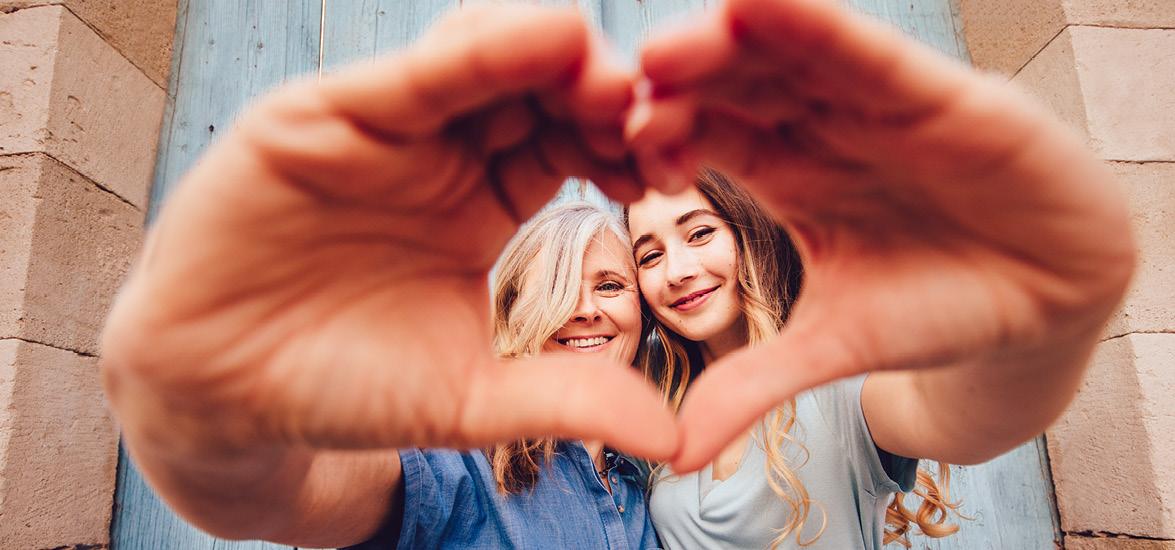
[(947, 227), (314, 292), (608, 304)]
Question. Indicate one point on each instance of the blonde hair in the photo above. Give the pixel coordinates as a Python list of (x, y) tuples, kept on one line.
[(535, 288), (769, 278)]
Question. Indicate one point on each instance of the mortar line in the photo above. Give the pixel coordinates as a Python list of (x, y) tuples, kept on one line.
[(48, 345)]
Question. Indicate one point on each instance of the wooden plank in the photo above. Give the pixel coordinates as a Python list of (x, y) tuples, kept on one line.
[(1010, 501), (360, 30), (627, 23), (226, 53), (934, 22)]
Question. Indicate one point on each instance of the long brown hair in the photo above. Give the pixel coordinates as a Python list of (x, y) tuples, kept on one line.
[(769, 280)]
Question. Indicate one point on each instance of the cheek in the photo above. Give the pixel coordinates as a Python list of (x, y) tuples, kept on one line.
[(628, 313), (650, 287)]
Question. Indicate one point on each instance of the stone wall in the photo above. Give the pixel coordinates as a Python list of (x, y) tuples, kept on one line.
[(82, 92), (1107, 67)]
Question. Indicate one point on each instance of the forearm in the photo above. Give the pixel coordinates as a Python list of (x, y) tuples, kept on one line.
[(974, 411)]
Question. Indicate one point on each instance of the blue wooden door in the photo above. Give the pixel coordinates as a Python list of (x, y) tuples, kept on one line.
[(229, 51)]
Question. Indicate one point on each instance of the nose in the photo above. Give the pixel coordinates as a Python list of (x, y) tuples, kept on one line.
[(681, 266), (586, 310)]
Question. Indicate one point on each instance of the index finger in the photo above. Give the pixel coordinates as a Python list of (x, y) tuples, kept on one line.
[(470, 59)]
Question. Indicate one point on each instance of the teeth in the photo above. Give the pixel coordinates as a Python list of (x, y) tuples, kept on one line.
[(586, 342)]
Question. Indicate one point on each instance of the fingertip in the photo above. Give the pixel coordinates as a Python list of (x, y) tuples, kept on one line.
[(637, 122), (654, 124), (603, 90), (659, 442)]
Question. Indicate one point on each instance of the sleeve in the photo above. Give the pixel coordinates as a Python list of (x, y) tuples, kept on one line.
[(877, 470), (432, 482)]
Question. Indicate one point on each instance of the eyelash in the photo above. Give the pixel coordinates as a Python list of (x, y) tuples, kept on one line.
[(699, 234), (618, 287)]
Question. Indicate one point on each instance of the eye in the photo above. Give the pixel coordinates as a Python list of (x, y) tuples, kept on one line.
[(649, 259), (701, 234), (610, 288)]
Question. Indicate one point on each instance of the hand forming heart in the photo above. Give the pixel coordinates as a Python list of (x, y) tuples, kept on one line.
[(943, 221), (320, 277)]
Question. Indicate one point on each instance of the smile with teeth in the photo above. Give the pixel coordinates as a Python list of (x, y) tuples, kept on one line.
[(584, 343)]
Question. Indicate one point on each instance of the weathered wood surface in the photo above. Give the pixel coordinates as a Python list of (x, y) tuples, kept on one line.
[(228, 52)]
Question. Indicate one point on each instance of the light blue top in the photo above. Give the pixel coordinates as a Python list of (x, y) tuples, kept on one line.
[(845, 477)]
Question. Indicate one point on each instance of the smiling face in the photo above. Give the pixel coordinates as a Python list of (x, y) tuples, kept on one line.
[(607, 315), (687, 267)]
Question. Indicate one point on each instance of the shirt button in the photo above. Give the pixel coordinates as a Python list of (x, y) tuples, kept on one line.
[(615, 479), (620, 508)]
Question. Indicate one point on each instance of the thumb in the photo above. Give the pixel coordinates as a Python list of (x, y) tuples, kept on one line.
[(569, 397), (741, 388)]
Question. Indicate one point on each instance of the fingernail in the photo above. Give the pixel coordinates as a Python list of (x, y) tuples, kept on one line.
[(638, 120)]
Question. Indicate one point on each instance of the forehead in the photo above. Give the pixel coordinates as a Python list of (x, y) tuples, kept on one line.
[(607, 252), (657, 211)]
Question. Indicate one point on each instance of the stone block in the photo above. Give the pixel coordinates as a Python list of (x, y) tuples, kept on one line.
[(1128, 82), (1053, 79), (1078, 542), (1112, 451), (1004, 35), (1116, 86), (141, 30), (58, 449), (1121, 13), (1148, 306), (66, 245), (64, 91)]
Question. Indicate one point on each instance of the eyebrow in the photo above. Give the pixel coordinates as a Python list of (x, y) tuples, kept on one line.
[(682, 219), (605, 273)]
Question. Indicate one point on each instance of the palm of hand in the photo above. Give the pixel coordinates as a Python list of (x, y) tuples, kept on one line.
[(342, 298)]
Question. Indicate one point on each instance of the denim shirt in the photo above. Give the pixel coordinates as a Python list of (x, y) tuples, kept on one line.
[(451, 500)]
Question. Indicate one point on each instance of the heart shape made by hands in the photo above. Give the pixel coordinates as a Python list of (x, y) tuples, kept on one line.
[(319, 277)]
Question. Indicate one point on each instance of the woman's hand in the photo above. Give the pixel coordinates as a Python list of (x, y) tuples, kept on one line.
[(942, 219), (320, 278)]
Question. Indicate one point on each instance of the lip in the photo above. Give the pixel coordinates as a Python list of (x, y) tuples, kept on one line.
[(589, 349), (693, 300)]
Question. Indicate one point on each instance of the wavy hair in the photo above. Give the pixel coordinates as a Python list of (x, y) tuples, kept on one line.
[(549, 249), (769, 278)]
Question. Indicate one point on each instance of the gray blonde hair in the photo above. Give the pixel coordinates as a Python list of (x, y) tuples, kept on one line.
[(535, 289)]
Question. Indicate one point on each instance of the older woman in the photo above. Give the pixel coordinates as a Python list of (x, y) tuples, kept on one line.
[(566, 284)]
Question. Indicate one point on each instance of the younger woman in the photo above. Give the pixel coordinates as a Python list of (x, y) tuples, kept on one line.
[(718, 274)]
